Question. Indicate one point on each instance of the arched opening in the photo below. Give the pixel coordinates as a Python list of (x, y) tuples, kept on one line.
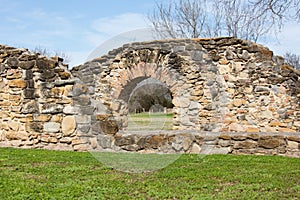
[(149, 103)]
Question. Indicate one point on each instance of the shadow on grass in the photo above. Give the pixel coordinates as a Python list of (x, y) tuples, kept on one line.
[(133, 162)]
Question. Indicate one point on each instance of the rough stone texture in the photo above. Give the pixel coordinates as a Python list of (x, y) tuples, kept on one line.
[(234, 85), (218, 86), (68, 125), (52, 127)]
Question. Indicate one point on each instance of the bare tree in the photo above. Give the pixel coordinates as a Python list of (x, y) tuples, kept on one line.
[(246, 19), (214, 26), (292, 59), (185, 18), (280, 8)]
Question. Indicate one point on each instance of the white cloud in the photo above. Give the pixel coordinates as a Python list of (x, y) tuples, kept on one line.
[(120, 23), (104, 29), (289, 40), (107, 27)]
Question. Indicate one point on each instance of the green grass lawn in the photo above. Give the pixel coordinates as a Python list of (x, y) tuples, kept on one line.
[(41, 174), (152, 121)]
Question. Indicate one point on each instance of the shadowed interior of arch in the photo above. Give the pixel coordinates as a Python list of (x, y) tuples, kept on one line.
[(149, 103)]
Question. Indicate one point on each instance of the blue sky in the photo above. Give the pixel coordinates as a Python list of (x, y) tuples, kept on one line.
[(78, 27)]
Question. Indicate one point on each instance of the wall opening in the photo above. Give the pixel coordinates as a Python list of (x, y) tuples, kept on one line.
[(149, 104)]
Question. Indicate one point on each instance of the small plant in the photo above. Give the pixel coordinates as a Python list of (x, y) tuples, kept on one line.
[(49, 53)]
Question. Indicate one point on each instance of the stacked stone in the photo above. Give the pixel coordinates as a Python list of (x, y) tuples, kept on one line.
[(191, 141), (218, 84), (261, 96), (36, 101)]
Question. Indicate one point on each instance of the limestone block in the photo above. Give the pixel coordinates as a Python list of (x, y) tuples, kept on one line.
[(104, 141), (294, 138), (297, 123), (286, 130), (13, 125), (35, 127), (13, 74), (262, 89), (52, 127), (68, 91), (77, 141), (12, 62), (231, 78), (293, 145), (269, 142), (83, 119), (115, 106), (195, 149), (17, 83), (64, 75), (14, 135), (224, 69), (247, 144), (248, 90), (225, 137), (11, 135), (245, 55), (68, 125), (122, 140), (239, 137), (109, 126), (194, 105), (52, 140), (236, 127), (238, 66), (79, 89), (267, 114), (57, 91), (181, 102), (27, 64), (41, 118), (5, 103), (82, 100), (67, 140), (94, 142), (52, 109), (70, 110), (252, 129), (224, 143), (56, 118), (81, 147), (237, 102), (211, 149), (29, 93), (253, 136)]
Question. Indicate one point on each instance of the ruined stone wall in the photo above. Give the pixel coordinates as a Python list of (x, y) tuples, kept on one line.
[(219, 86), (284, 144), (36, 101)]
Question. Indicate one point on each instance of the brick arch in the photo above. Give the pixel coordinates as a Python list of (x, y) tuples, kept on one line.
[(148, 70), (151, 66)]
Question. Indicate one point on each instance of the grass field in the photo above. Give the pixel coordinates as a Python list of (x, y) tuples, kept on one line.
[(41, 174), (152, 121)]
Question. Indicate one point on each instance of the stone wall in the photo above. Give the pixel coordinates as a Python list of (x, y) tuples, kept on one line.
[(218, 84), (35, 101), (285, 144), (229, 96)]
